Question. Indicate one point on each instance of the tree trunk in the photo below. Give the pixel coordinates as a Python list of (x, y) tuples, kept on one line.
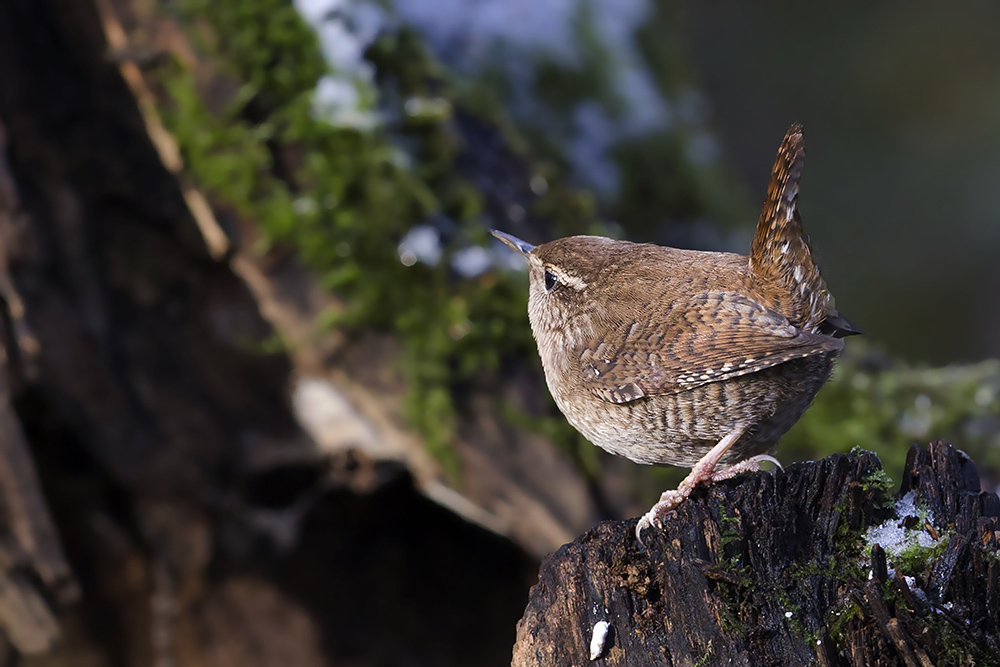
[(814, 565)]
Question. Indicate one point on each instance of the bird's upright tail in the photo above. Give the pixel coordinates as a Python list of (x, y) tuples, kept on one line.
[(781, 263)]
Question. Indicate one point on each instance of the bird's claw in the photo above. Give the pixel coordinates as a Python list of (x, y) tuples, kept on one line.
[(668, 501), (751, 464), (645, 522)]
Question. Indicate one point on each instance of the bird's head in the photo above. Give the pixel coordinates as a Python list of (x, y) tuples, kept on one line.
[(567, 278)]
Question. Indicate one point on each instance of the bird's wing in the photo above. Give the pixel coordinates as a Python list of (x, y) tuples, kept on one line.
[(710, 337)]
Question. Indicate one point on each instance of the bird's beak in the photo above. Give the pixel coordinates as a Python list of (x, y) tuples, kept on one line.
[(517, 244)]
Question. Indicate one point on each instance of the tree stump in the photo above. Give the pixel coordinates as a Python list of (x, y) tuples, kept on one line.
[(819, 564)]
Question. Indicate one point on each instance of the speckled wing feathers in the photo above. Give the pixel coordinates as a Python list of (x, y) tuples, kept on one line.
[(711, 337), (780, 259)]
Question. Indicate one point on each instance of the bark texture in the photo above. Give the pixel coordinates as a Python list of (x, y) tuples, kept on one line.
[(773, 569)]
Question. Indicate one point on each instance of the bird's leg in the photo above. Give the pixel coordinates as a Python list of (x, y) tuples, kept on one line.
[(704, 470)]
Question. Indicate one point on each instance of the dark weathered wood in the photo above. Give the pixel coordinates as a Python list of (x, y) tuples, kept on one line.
[(33, 567), (773, 569), (32, 563)]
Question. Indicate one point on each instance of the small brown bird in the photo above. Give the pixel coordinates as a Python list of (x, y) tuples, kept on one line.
[(687, 358)]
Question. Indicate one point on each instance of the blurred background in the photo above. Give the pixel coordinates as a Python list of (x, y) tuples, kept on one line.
[(269, 392)]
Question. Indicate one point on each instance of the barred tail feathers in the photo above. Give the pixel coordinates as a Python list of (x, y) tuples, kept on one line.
[(780, 259)]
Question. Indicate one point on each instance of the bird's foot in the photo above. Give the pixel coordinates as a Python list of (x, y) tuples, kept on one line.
[(668, 501), (751, 464), (703, 471)]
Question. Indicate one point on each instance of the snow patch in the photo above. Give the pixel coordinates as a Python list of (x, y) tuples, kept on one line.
[(893, 537)]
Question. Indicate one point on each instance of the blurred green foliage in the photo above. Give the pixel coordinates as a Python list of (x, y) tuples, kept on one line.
[(264, 44), (885, 406)]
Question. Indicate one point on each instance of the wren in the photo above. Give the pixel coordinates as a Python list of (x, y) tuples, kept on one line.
[(681, 357)]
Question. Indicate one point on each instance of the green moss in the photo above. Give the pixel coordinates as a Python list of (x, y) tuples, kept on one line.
[(848, 545), (266, 43), (956, 649), (828, 569), (839, 618), (914, 559), (729, 528), (731, 597), (878, 481), (704, 659)]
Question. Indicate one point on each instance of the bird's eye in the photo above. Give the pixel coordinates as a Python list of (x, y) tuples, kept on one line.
[(550, 280)]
